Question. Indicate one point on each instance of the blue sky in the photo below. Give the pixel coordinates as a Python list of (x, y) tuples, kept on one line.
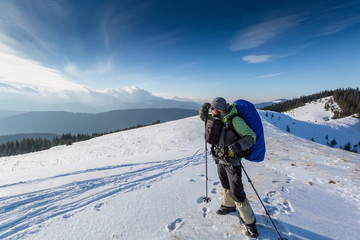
[(256, 50)]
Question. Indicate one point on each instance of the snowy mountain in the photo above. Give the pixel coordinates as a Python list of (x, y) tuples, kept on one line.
[(148, 183), (315, 123)]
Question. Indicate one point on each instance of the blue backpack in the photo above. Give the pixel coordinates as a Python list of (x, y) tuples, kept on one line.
[(248, 112)]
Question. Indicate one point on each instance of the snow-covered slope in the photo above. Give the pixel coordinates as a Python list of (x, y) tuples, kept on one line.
[(315, 111), (314, 123), (148, 183)]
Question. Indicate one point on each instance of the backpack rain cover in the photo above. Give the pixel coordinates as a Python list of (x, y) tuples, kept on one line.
[(248, 112)]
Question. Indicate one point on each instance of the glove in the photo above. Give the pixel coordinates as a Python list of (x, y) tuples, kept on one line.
[(204, 111), (235, 148)]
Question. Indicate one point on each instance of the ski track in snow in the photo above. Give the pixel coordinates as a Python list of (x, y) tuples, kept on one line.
[(19, 213)]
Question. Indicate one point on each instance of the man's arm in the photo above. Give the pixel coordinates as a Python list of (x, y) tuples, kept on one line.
[(247, 135)]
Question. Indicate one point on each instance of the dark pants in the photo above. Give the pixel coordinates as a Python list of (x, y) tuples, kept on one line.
[(230, 178)]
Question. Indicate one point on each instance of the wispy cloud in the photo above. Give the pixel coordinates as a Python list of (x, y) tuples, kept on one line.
[(167, 38), (341, 25), (29, 25), (52, 7), (184, 66), (270, 75), (262, 33), (99, 68), (257, 58), (116, 21), (18, 70)]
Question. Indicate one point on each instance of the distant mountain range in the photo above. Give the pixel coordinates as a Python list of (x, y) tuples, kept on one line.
[(74, 123)]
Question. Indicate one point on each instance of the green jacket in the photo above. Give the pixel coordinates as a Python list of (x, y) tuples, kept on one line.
[(245, 137)]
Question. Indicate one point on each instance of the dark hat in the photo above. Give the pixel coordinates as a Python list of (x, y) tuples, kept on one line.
[(219, 103)]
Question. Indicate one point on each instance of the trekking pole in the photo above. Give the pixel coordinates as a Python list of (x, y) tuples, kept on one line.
[(206, 198), (267, 213)]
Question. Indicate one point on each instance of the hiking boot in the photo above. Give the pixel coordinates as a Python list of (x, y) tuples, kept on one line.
[(251, 232), (225, 210)]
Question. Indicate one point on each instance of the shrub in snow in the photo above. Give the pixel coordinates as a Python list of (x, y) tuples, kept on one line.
[(347, 146)]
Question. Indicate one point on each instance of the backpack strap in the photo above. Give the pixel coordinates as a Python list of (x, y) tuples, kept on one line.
[(244, 153), (232, 128)]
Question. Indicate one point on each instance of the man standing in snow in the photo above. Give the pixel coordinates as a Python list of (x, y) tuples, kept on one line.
[(235, 141)]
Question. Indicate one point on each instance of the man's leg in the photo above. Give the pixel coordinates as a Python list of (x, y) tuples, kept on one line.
[(238, 195), (246, 212), (228, 204)]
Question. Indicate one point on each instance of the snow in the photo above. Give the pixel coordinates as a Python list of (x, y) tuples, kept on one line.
[(148, 183), (315, 111), (313, 122)]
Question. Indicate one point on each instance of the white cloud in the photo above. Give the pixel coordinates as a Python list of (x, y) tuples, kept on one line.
[(262, 33), (20, 71), (257, 58), (33, 98), (271, 75)]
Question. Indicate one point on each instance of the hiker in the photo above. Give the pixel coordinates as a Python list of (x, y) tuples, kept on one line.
[(236, 139)]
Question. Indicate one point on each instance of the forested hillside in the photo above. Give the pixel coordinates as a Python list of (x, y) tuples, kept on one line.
[(28, 145), (348, 100)]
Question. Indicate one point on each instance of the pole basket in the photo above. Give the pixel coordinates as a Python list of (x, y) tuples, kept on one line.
[(207, 199)]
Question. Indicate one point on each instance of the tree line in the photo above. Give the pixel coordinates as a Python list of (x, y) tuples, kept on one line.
[(348, 100), (28, 145)]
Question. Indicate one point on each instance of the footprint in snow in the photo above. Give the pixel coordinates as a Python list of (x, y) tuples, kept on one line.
[(268, 197), (66, 216), (190, 180), (271, 193), (272, 210), (175, 225), (286, 207), (275, 183), (116, 236), (98, 207), (216, 183), (277, 204), (284, 189), (267, 200), (290, 179), (205, 212)]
